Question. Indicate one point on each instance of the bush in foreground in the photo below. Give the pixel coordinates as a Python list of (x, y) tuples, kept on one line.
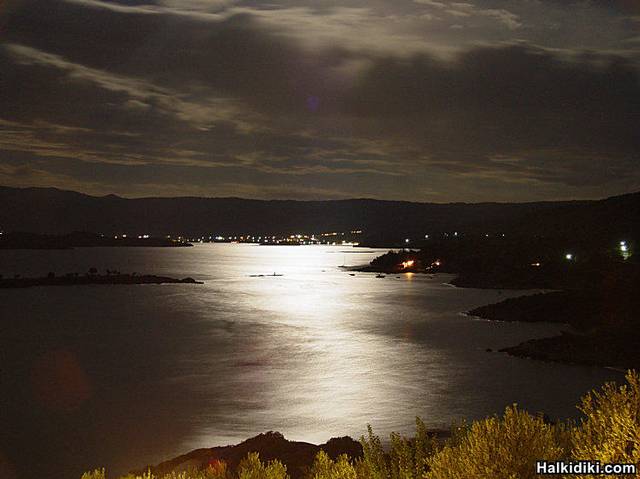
[(500, 448), (504, 447), (610, 430)]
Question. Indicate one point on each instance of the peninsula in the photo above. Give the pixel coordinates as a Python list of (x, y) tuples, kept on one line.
[(592, 288)]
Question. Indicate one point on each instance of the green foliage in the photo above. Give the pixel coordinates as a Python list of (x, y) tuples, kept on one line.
[(504, 447), (425, 445), (96, 474), (251, 467), (409, 458), (325, 468), (459, 431), (192, 474), (498, 448), (218, 470), (610, 430), (374, 461)]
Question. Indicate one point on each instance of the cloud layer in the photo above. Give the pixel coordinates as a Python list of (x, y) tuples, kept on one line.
[(420, 100)]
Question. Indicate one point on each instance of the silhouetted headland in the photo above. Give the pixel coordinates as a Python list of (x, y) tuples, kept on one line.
[(91, 278), (594, 283), (602, 324), (297, 456)]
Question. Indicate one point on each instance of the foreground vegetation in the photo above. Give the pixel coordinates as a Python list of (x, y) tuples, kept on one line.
[(504, 447)]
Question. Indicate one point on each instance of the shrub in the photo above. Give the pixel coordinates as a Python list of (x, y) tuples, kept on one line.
[(374, 463), (217, 470), (325, 468), (498, 448), (409, 458), (251, 467), (610, 430), (96, 474), (504, 447)]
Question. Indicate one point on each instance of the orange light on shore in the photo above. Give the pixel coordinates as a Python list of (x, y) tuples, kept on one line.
[(407, 264)]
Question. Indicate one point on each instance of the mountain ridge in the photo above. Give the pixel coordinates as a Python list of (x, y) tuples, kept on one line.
[(55, 211)]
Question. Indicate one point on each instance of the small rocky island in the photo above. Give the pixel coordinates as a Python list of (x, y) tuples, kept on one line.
[(91, 278)]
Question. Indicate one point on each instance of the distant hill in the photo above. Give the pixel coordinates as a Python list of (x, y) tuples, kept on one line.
[(53, 211)]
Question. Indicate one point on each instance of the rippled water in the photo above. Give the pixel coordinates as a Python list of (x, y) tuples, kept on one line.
[(153, 371)]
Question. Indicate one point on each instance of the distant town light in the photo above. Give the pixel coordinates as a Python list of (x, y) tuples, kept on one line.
[(426, 236), (408, 264), (407, 240), (568, 256), (624, 250), (537, 265)]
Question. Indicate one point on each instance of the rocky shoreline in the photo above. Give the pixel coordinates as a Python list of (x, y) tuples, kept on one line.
[(92, 279), (602, 350), (600, 327), (597, 300)]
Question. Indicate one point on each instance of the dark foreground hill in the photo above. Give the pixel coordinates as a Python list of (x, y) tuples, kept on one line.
[(297, 456), (52, 211)]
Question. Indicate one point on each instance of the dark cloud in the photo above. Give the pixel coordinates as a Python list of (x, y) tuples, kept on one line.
[(218, 97), (508, 97)]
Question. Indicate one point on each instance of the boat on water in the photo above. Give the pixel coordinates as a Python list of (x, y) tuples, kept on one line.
[(380, 275), (265, 275)]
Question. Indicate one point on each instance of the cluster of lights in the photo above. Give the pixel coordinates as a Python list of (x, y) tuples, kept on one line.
[(457, 234), (624, 250), (331, 238)]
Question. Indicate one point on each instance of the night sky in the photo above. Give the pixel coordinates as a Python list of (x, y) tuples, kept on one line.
[(421, 100)]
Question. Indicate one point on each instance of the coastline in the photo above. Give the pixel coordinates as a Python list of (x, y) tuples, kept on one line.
[(599, 313), (92, 279), (592, 338)]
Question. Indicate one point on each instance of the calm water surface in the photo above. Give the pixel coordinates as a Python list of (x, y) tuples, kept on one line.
[(122, 376)]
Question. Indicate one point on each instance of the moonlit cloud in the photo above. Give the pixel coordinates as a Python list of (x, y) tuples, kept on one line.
[(430, 100)]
